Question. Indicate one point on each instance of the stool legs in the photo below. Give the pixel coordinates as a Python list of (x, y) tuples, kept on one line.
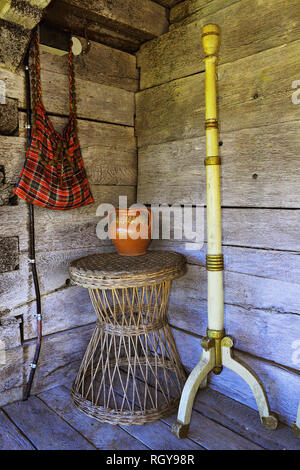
[(131, 372)]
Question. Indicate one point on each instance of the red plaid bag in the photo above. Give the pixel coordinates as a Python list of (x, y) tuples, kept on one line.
[(53, 175)]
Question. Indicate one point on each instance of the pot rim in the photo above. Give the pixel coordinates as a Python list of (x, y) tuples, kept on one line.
[(130, 212)]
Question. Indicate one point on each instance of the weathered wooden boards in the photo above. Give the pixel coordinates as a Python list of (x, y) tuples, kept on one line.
[(260, 189), (101, 435), (191, 10), (95, 101), (102, 64), (108, 146), (44, 428), (118, 23), (216, 424), (9, 254), (212, 436), (61, 355), (95, 98), (8, 117), (248, 27), (244, 421), (175, 110), (254, 161), (17, 19), (243, 319), (10, 436)]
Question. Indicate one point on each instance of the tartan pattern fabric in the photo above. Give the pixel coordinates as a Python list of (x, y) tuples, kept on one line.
[(53, 174)]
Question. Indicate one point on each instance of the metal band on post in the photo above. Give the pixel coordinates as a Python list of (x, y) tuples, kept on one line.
[(214, 262), (211, 124), (212, 161)]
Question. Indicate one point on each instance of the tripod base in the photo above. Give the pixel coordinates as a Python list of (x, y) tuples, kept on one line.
[(217, 353)]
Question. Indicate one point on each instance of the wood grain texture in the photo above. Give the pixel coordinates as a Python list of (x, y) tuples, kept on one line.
[(273, 264), (58, 18), (255, 330), (245, 290), (45, 429), (10, 436), (243, 420), (61, 355), (11, 376), (10, 228), (249, 228), (95, 101), (248, 27), (10, 333), (102, 64), (212, 436), (102, 435), (144, 23), (257, 167), (62, 310), (175, 110), (15, 287), (190, 10), (158, 436), (282, 385)]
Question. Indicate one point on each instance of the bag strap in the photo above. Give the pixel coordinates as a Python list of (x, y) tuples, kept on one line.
[(36, 78), (72, 92), (35, 75)]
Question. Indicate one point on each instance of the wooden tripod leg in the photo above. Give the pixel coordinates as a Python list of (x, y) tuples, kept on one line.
[(268, 419), (196, 378), (296, 425)]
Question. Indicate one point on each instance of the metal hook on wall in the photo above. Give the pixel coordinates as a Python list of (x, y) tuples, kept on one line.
[(77, 47), (88, 42)]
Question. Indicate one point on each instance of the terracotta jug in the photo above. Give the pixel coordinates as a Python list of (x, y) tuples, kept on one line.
[(130, 230)]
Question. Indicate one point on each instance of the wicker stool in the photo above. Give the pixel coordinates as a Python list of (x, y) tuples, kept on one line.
[(131, 372)]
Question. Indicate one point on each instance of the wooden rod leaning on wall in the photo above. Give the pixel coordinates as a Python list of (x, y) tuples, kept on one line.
[(217, 348), (214, 258)]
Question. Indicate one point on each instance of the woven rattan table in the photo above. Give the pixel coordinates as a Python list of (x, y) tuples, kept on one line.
[(131, 372)]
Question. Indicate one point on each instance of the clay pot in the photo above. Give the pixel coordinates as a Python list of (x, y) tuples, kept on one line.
[(130, 230)]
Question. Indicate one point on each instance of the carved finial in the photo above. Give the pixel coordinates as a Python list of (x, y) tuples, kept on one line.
[(210, 38)]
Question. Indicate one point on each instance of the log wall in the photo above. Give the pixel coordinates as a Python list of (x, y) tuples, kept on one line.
[(106, 80), (259, 144)]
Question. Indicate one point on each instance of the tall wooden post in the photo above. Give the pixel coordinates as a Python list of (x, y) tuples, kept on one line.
[(217, 347)]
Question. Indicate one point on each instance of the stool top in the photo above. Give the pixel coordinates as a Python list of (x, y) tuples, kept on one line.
[(110, 270)]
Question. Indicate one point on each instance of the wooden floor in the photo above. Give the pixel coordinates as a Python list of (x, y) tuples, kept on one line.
[(50, 421)]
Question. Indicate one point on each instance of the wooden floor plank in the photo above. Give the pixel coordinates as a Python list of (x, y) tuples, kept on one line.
[(103, 436), (45, 429), (157, 435), (10, 437), (214, 436), (244, 421)]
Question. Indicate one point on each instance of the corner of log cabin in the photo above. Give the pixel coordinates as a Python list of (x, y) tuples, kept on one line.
[(141, 114), (259, 145)]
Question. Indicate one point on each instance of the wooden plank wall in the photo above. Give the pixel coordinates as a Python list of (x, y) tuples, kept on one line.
[(107, 80), (259, 144)]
